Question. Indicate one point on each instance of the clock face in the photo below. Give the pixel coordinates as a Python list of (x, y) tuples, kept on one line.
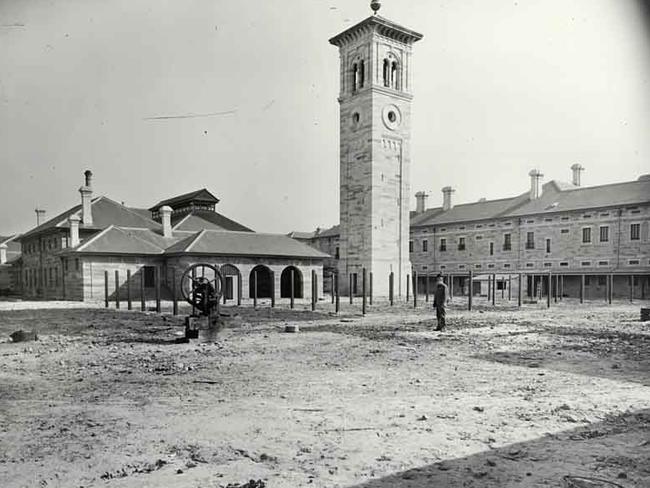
[(391, 116)]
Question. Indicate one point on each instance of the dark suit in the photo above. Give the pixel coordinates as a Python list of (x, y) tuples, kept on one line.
[(439, 303)]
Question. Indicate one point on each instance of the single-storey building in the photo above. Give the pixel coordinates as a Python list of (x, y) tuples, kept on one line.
[(68, 256)]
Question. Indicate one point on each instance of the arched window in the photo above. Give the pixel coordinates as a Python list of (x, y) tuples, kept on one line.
[(355, 76), (386, 72), (393, 75), (362, 73)]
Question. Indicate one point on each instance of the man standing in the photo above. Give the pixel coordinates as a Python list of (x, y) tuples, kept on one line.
[(440, 301)]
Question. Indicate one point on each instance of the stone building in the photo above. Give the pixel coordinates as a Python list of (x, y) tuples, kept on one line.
[(67, 256), (576, 233), (9, 259), (376, 91)]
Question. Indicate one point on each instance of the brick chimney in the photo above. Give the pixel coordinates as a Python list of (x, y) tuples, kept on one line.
[(73, 220), (86, 197), (3, 253), (535, 184), (447, 192), (166, 219), (40, 216), (576, 169), (421, 202)]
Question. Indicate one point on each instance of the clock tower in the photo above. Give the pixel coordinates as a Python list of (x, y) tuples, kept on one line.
[(375, 152)]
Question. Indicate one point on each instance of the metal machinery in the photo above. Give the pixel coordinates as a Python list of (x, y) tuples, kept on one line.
[(202, 286)]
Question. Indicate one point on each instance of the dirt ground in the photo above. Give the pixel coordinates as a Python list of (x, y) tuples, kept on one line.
[(505, 398)]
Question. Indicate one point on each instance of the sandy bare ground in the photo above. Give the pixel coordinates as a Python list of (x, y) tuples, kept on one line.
[(505, 398)]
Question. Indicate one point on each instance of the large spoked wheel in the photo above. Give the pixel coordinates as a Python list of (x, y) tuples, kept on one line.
[(202, 286)]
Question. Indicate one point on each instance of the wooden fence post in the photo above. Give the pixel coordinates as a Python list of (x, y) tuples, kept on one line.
[(408, 284), (337, 305), (158, 309), (509, 287), (106, 289), (370, 288), (293, 295), (272, 289), (494, 289), (471, 290), (391, 288), (582, 288), (363, 292), (520, 291), (314, 290), (129, 301), (332, 279), (175, 293), (611, 288), (117, 289), (451, 286), (550, 289), (415, 289), (143, 303)]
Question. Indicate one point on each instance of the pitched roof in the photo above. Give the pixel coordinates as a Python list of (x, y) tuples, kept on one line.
[(245, 244), (202, 195), (333, 231), (203, 219), (555, 198), (468, 212), (14, 249), (124, 240), (106, 212), (301, 235)]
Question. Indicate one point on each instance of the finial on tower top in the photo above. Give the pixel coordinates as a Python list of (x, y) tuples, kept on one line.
[(375, 5)]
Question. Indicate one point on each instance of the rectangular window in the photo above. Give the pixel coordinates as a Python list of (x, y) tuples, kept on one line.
[(530, 240), (490, 266), (604, 233), (443, 245), (565, 219), (425, 246), (410, 246), (491, 248), (507, 242), (529, 265), (478, 238), (337, 254), (76, 264), (548, 265), (506, 265), (548, 220), (564, 231), (548, 245), (603, 263), (564, 264), (461, 243), (633, 262), (149, 275), (461, 266), (635, 232), (587, 216), (586, 235), (586, 263), (602, 280), (477, 266)]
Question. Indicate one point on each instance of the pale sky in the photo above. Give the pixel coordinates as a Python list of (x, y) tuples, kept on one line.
[(501, 86)]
